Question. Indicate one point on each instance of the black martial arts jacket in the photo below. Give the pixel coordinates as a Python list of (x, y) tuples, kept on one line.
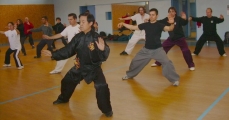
[(88, 55)]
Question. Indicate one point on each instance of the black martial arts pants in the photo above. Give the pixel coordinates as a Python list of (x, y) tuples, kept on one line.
[(30, 39), (41, 45), (204, 37), (16, 58), (72, 79)]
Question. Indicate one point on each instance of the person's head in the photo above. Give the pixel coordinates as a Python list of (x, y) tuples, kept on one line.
[(72, 18), (87, 12), (10, 25), (58, 20), (86, 22), (26, 19), (209, 12), (153, 14), (172, 11), (141, 10), (19, 21), (44, 19), (127, 14)]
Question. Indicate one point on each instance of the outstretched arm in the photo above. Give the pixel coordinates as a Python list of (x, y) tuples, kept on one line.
[(66, 52), (35, 29), (131, 27), (127, 18), (51, 37), (195, 19), (171, 27), (2, 32)]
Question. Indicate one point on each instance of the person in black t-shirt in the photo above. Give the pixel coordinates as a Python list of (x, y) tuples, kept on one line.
[(177, 37), (209, 31), (152, 49)]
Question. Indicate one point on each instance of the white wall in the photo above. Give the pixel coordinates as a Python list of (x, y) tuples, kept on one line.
[(18, 2), (104, 25), (218, 7)]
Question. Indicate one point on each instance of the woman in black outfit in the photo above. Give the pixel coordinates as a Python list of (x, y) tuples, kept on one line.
[(20, 27)]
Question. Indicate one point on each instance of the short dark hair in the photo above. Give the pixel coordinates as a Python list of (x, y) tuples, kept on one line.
[(209, 9), (45, 17), (58, 18), (21, 22), (73, 15), (87, 11), (11, 23), (90, 18), (155, 10), (142, 8), (172, 8)]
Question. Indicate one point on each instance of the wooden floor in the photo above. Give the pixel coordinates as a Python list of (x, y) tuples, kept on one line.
[(204, 93)]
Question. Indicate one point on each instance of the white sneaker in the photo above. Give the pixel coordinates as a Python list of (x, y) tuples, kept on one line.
[(21, 67), (192, 68), (54, 72), (176, 83), (154, 65), (125, 77), (224, 55), (7, 65), (193, 54)]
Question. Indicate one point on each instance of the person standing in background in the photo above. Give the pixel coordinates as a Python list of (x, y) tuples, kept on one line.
[(58, 28), (27, 26), (46, 28), (20, 27)]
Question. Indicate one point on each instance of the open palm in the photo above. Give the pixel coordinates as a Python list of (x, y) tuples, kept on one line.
[(100, 44)]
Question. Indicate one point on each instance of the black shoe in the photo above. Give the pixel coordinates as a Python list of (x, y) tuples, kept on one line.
[(37, 56), (59, 102), (33, 47), (109, 114), (123, 53), (24, 54)]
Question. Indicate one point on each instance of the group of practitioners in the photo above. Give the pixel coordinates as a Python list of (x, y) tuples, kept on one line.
[(90, 50)]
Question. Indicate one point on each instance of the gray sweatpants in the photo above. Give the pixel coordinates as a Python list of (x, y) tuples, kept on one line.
[(144, 56)]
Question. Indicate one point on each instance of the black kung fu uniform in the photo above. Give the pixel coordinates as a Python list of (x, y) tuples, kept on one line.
[(209, 33), (88, 67)]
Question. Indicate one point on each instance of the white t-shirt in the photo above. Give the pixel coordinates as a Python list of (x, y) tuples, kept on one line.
[(70, 31), (139, 20), (14, 39)]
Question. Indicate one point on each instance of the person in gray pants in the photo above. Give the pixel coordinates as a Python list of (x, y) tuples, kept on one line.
[(152, 49), (46, 28)]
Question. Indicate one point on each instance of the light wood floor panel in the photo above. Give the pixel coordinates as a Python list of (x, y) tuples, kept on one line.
[(28, 94)]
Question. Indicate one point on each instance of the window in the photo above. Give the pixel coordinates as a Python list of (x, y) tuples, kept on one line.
[(108, 16)]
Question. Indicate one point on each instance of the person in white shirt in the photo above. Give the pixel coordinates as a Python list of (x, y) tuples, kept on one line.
[(70, 31), (140, 18), (15, 46)]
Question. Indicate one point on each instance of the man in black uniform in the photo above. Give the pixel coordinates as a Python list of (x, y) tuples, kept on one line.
[(91, 51), (58, 28), (209, 31)]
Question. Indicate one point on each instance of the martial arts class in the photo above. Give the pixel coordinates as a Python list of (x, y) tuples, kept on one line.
[(114, 60)]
